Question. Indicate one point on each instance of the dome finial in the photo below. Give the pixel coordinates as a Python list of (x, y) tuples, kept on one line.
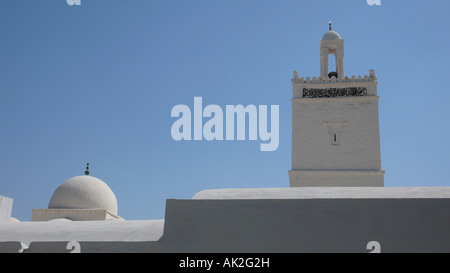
[(329, 25), (87, 169)]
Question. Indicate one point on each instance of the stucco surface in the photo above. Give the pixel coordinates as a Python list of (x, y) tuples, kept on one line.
[(84, 192), (325, 193), (5, 208), (133, 230), (412, 219), (308, 225)]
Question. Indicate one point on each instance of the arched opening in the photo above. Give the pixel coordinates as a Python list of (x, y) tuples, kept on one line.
[(332, 65)]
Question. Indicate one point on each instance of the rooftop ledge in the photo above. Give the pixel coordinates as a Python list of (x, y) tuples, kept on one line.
[(326, 193), (367, 78)]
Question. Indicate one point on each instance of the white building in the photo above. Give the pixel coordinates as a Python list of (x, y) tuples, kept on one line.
[(335, 127), (336, 202)]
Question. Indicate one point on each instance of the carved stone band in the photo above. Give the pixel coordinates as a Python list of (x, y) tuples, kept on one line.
[(334, 92)]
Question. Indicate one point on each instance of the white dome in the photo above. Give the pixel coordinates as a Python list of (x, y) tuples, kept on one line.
[(60, 220), (331, 35), (83, 192)]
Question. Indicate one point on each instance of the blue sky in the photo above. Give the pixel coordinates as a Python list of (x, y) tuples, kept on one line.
[(96, 83)]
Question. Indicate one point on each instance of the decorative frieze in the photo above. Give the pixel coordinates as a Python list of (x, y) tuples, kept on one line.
[(334, 92)]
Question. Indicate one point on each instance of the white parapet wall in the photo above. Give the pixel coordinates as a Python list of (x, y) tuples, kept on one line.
[(314, 219), (5, 208), (411, 219)]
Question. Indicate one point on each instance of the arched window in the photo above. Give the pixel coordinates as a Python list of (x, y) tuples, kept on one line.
[(332, 65)]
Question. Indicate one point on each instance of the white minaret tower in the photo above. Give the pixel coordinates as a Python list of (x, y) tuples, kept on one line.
[(335, 127)]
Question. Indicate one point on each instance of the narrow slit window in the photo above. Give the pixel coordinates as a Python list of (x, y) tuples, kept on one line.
[(335, 139)]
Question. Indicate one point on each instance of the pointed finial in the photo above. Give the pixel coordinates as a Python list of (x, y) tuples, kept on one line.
[(87, 169), (329, 25)]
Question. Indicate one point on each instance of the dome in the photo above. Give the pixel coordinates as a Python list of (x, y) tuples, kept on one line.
[(331, 35), (60, 220), (84, 192)]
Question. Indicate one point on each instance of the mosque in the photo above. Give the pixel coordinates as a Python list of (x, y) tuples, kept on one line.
[(336, 201)]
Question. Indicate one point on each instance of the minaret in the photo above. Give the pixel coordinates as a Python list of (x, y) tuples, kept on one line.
[(335, 126), (332, 43)]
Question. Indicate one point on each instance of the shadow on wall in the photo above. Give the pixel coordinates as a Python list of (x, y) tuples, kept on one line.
[(286, 225)]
